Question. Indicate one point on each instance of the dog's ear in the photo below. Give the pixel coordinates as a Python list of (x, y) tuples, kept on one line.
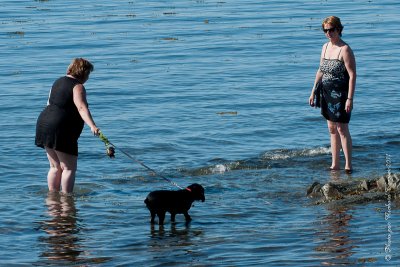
[(198, 191), (196, 187)]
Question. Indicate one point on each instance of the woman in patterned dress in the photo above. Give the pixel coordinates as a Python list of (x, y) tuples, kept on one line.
[(337, 72)]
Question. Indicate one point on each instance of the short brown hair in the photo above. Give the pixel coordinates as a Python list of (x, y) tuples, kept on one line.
[(80, 68), (335, 22)]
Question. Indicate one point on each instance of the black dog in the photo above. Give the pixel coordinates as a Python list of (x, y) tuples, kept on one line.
[(175, 202)]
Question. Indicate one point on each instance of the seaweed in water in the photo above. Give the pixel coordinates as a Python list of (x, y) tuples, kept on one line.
[(110, 150)]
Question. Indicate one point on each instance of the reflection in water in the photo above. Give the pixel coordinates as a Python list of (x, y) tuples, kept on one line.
[(159, 231), (333, 238), (163, 238), (336, 175), (61, 228)]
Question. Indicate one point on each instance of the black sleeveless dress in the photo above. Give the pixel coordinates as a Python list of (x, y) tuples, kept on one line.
[(335, 87), (59, 125)]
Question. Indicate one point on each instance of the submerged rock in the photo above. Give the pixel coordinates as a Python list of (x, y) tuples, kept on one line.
[(355, 192)]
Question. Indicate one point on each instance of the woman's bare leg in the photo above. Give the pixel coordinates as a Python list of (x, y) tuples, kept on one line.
[(347, 144), (335, 145), (68, 165), (54, 174)]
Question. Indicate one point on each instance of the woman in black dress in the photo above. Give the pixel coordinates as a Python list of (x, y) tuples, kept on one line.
[(337, 72), (60, 124)]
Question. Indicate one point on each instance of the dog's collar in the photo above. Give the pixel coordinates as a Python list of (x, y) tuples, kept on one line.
[(188, 189)]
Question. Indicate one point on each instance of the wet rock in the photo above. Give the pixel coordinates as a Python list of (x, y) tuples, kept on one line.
[(389, 182), (314, 190), (331, 192), (355, 191), (393, 182), (381, 183), (367, 185)]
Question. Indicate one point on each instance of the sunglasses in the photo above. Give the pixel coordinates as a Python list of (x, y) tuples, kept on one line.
[(329, 30)]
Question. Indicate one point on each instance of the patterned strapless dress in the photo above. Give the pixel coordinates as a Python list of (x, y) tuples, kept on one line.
[(335, 87)]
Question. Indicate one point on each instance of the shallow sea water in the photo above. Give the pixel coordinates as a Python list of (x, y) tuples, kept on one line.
[(213, 92)]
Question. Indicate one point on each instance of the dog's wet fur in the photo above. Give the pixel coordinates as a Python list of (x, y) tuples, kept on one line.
[(175, 202)]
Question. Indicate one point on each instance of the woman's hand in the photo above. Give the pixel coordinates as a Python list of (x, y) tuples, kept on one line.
[(349, 105), (311, 99), (95, 130)]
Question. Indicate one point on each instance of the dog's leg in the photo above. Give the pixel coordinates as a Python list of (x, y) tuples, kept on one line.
[(187, 217), (161, 217), (153, 215), (173, 217)]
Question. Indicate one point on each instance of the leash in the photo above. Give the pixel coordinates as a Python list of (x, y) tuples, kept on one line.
[(111, 151)]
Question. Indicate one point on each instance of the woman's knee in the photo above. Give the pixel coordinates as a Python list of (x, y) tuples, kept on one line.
[(68, 166), (343, 129), (68, 162), (56, 168), (332, 128), (55, 165)]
